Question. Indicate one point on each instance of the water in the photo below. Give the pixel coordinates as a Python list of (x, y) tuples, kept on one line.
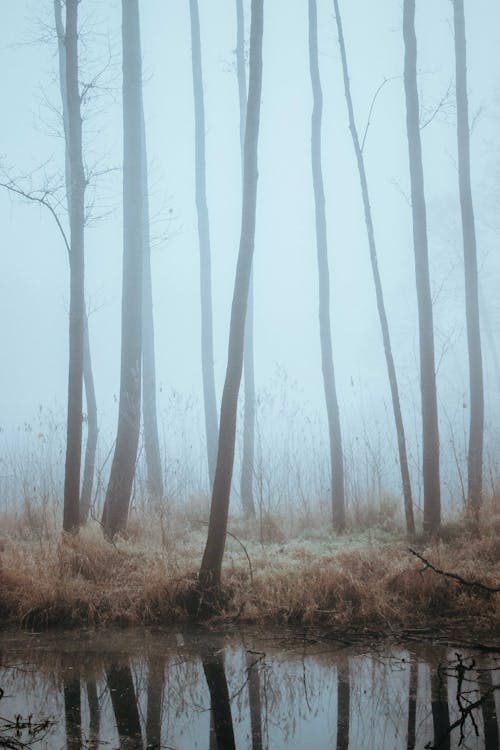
[(185, 690)]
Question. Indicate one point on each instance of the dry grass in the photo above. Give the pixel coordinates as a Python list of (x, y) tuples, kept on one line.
[(364, 580)]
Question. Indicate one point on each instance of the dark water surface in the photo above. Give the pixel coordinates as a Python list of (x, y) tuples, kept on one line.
[(184, 689)]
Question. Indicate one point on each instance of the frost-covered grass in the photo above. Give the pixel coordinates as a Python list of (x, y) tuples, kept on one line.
[(361, 579)]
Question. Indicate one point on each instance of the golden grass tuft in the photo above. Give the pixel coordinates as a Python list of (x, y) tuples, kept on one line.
[(363, 581)]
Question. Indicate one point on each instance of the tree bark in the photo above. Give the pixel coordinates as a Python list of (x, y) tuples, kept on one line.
[(124, 700), (332, 407), (88, 377), (71, 514), (386, 338), (248, 453), (476, 429), (430, 431), (116, 505), (73, 713), (149, 406), (213, 667), (211, 565), (207, 345)]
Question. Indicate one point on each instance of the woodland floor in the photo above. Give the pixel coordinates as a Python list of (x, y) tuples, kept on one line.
[(361, 585)]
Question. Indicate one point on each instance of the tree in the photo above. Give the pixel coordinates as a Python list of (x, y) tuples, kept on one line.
[(149, 408), (386, 338), (207, 345), (211, 565), (247, 460), (476, 429), (430, 432), (88, 377), (71, 515), (117, 501), (332, 407)]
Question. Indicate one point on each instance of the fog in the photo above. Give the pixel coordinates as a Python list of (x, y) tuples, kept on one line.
[(291, 420)]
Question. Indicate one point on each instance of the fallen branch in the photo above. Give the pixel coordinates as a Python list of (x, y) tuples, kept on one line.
[(454, 576)]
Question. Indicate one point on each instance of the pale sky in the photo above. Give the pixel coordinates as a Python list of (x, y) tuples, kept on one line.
[(33, 265)]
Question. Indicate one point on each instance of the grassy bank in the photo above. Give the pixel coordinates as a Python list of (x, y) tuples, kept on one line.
[(360, 580)]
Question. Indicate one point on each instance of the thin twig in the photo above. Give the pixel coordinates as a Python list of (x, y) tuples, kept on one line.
[(455, 576)]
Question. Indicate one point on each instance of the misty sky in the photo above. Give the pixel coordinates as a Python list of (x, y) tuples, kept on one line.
[(33, 264)]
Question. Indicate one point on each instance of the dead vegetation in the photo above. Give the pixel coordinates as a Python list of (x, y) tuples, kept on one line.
[(359, 580)]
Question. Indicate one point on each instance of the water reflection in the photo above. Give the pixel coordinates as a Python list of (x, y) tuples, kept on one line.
[(183, 691)]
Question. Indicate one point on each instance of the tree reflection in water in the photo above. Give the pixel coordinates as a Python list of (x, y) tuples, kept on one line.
[(253, 694)]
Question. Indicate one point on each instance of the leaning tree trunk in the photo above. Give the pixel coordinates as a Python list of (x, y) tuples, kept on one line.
[(116, 504), (211, 565), (149, 407), (430, 432), (248, 453), (71, 516), (332, 407), (476, 430), (88, 377), (207, 344), (391, 370)]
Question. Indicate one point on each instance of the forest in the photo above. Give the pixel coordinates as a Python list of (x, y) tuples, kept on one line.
[(251, 371)]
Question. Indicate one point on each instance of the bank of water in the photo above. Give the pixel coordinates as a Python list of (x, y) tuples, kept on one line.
[(188, 689)]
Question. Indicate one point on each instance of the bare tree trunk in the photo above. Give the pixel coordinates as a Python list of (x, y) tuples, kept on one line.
[(116, 505), (156, 683), (73, 713), (94, 713), (207, 345), (124, 700), (475, 456), (412, 705), (430, 431), (332, 407), (71, 515), (92, 430), (149, 407), (254, 702), (343, 703), (440, 709), (247, 461), (88, 377), (213, 667), (391, 370), (211, 565)]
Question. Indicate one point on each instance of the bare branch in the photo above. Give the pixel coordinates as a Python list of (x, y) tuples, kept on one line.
[(454, 576), (372, 105)]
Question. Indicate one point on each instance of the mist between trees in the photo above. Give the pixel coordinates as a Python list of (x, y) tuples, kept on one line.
[(327, 194)]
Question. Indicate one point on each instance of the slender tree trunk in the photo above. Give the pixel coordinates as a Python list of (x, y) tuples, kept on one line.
[(207, 345), (73, 713), (430, 431), (332, 407), (94, 714), (116, 505), (88, 377), (412, 706), (343, 704), (247, 461), (475, 456), (440, 709), (149, 407), (71, 516), (254, 702), (211, 565), (213, 667), (124, 700), (156, 683), (391, 370), (92, 430)]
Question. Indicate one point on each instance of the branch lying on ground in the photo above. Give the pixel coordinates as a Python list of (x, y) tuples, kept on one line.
[(455, 576)]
